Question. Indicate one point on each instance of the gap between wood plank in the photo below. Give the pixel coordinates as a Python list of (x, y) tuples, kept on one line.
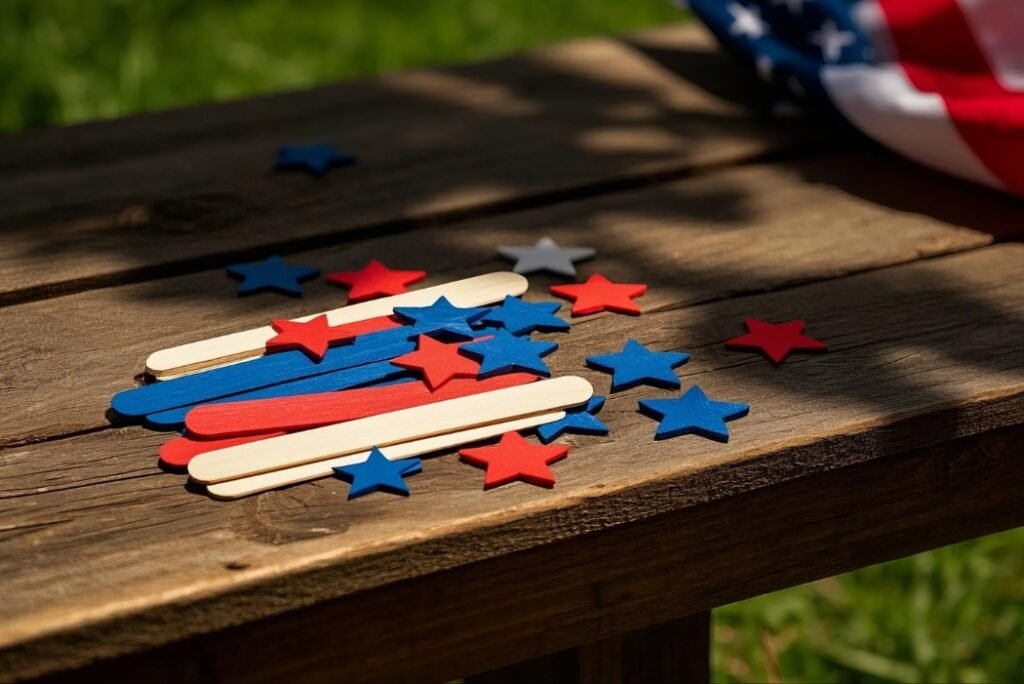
[(676, 306), (395, 227), (753, 229)]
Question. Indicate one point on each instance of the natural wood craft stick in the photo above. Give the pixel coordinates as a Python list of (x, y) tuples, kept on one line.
[(389, 428), (254, 484), (194, 356)]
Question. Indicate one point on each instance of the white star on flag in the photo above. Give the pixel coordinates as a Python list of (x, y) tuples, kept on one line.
[(746, 21), (832, 41)]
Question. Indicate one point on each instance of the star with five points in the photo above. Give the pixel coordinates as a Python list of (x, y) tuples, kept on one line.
[(580, 419), (272, 274), (378, 474), (600, 294), (505, 352), (317, 158), (693, 413), (546, 255), (442, 317), (747, 21), (776, 340), (520, 317), (374, 280), (514, 458), (314, 336), (438, 362), (636, 365), (832, 40)]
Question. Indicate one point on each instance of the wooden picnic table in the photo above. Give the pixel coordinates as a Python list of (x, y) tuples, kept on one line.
[(656, 149)]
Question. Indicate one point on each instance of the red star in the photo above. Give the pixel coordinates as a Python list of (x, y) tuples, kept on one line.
[(513, 458), (374, 280), (438, 362), (776, 340), (314, 336), (601, 294)]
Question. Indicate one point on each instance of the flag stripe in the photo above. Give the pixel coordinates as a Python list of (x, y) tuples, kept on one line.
[(880, 101), (938, 52), (999, 29)]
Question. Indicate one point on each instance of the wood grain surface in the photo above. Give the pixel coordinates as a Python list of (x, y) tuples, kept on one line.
[(674, 651), (654, 149), (920, 354), (751, 229), (161, 193)]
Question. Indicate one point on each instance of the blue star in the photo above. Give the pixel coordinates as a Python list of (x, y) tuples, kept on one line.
[(520, 317), (272, 274), (505, 352), (441, 317), (378, 474), (317, 159), (693, 413), (636, 365), (581, 420)]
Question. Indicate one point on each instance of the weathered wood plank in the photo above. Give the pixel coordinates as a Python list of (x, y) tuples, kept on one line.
[(744, 230), (635, 575), (156, 194), (102, 554), (674, 651)]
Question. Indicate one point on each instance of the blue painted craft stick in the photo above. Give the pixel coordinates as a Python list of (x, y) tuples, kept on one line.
[(272, 369), (382, 373)]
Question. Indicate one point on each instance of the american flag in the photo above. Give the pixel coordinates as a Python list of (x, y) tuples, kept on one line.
[(939, 81)]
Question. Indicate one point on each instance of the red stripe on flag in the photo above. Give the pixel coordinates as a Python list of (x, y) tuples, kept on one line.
[(939, 53)]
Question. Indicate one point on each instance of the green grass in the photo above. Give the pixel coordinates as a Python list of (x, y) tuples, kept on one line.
[(952, 615), (73, 60), (956, 614)]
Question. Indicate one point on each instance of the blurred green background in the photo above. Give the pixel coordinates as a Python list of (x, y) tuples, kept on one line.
[(953, 615)]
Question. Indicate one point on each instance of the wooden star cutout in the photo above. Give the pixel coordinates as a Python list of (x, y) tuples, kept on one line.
[(514, 458), (378, 474), (438, 362), (375, 280), (600, 294), (546, 255), (274, 274), (315, 335), (776, 340), (317, 159), (693, 413)]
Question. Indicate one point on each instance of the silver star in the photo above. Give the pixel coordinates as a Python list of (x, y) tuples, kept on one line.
[(832, 41), (546, 255), (746, 21)]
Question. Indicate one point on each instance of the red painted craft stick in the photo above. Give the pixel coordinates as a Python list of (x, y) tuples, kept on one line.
[(306, 411), (176, 453)]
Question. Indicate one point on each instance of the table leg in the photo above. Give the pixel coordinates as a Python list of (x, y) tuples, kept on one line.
[(674, 651)]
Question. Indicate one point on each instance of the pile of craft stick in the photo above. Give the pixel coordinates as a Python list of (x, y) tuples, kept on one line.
[(254, 421)]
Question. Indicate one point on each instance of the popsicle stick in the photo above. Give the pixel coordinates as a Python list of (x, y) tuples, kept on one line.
[(195, 356), (328, 382), (389, 428), (177, 452), (254, 484), (307, 411), (265, 371)]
